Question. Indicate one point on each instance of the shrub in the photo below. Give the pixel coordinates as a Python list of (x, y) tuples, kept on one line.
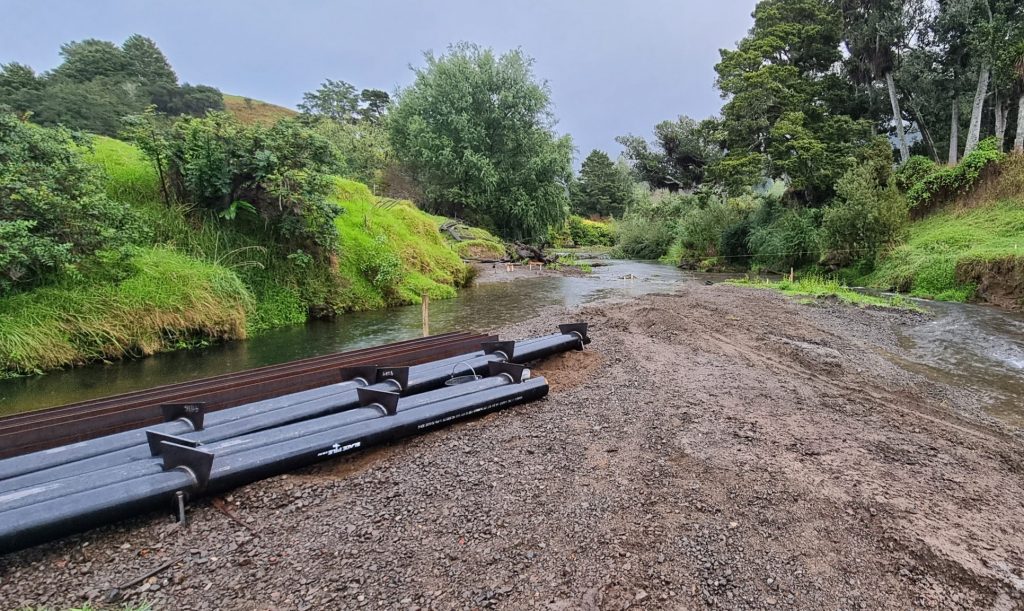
[(916, 169), (381, 266), (643, 238), (701, 228), (732, 245), (283, 172), (789, 239), (946, 183), (583, 232), (864, 217), (53, 211)]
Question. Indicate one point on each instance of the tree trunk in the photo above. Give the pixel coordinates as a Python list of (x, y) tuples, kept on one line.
[(897, 118), (1018, 143), (916, 117), (1001, 111), (974, 133), (954, 133)]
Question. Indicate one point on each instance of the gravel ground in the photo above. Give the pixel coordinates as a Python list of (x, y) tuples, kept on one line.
[(720, 447)]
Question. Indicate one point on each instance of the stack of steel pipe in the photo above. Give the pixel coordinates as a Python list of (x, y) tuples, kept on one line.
[(22, 433), (52, 493)]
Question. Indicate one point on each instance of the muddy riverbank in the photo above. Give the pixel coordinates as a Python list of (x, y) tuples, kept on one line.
[(720, 447)]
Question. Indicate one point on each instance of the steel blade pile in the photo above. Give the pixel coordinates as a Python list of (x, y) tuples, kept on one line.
[(52, 493)]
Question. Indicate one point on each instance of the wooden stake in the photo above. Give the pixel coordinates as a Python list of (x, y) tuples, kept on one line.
[(425, 309), (791, 274)]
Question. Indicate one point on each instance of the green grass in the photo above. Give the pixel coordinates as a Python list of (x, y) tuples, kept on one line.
[(480, 249), (200, 279), (400, 233), (927, 264), (813, 289), (570, 260), (167, 300), (131, 178)]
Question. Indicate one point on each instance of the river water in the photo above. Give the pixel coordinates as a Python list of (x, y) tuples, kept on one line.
[(965, 345)]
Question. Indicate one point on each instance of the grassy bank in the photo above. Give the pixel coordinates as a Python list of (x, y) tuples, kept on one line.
[(164, 301), (391, 252), (948, 255), (202, 279), (813, 289)]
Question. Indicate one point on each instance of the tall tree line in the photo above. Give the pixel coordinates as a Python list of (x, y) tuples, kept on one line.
[(98, 83)]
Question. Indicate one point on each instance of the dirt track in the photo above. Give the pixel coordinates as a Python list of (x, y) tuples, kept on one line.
[(722, 447)]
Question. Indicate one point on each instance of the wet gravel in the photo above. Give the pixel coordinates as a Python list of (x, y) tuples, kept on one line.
[(716, 448)]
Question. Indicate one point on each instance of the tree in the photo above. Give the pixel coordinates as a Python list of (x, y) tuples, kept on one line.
[(19, 87), (374, 104), (149, 131), (476, 130), (603, 188), (336, 100), (98, 83), (678, 157), (147, 63), (96, 106), (53, 210), (91, 59), (877, 33), (363, 148), (1018, 142), (784, 71)]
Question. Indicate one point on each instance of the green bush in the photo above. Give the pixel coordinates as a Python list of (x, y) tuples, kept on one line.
[(864, 217), (945, 184), (789, 239), (583, 232), (381, 266), (642, 238), (732, 245), (701, 228), (282, 173), (54, 214), (915, 170)]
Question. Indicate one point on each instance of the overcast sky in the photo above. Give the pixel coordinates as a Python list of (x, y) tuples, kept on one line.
[(614, 67)]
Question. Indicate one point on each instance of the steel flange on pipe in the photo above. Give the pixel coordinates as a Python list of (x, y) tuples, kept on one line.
[(151, 474)]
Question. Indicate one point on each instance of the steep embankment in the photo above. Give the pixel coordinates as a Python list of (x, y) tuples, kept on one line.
[(973, 249), (198, 279)]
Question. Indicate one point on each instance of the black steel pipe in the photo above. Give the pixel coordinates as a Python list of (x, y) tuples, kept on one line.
[(150, 465), (105, 452), (55, 518)]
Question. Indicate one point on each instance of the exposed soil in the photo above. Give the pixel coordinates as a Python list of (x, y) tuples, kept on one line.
[(999, 281), (722, 447)]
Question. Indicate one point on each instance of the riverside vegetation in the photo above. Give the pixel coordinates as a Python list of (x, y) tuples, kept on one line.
[(142, 214)]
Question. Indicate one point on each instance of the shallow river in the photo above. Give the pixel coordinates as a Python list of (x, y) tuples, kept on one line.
[(964, 345)]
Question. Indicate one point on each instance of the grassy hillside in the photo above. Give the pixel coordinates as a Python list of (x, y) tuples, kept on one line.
[(972, 249), (202, 279), (248, 110)]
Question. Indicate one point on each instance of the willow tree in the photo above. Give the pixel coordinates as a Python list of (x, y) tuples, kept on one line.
[(477, 132)]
